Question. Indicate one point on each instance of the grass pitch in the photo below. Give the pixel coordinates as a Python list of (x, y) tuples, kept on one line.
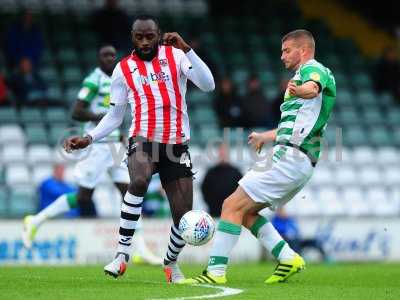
[(336, 281)]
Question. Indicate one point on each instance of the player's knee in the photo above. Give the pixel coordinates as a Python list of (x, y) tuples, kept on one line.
[(138, 185)]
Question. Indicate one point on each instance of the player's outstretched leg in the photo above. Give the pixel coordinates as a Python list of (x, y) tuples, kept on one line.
[(131, 209), (226, 237), (180, 196), (289, 262), (61, 205)]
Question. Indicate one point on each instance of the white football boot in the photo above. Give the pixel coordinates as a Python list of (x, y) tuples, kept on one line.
[(118, 266), (172, 272), (29, 232)]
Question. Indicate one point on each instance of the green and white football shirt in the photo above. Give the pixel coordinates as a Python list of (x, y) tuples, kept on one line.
[(95, 90), (303, 121)]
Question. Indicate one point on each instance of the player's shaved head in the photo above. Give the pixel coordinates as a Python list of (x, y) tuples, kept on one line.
[(298, 46), (301, 37)]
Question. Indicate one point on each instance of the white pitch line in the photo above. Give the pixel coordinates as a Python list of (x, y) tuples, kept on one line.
[(225, 291)]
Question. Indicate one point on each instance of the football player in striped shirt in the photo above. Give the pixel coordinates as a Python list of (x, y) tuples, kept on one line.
[(153, 81), (92, 104), (307, 104)]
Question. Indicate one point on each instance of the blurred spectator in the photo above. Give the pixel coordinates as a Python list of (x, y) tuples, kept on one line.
[(27, 85), (219, 182), (275, 106), (112, 26), (228, 105), (255, 105), (53, 187), (4, 96), (23, 39), (288, 229), (387, 73)]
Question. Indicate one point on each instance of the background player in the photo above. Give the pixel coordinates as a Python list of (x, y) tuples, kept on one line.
[(92, 104), (153, 80), (308, 102)]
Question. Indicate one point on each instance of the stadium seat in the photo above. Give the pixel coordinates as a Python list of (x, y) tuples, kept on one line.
[(11, 134), (40, 154), (379, 199), (57, 115), (13, 153), (41, 172), (322, 176), (366, 98), (55, 93), (348, 117), (364, 155), (345, 175), (72, 76), (387, 156), (198, 98), (3, 201), (354, 202), (393, 116), (205, 115), (329, 200), (354, 136), (391, 175), (36, 134), (67, 56), (22, 201), (361, 81), (209, 133), (372, 117), (17, 174), (379, 136), (305, 203), (369, 176), (30, 115), (49, 75), (8, 115), (57, 132)]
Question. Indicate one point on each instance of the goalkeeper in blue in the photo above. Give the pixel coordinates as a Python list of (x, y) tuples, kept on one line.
[(307, 104)]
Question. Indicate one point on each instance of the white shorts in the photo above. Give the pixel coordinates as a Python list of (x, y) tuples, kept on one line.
[(277, 183), (89, 171)]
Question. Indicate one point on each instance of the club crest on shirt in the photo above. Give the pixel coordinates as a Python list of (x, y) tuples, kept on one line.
[(163, 62)]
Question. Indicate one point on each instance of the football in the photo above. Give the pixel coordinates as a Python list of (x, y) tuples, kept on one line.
[(197, 227)]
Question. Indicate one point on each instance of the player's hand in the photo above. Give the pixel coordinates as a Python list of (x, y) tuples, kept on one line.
[(175, 40), (256, 140), (76, 142), (292, 88)]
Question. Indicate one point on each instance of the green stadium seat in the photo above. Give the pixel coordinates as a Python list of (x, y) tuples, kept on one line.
[(36, 134), (396, 137), (72, 76), (56, 134), (360, 81), (354, 136), (367, 98), (347, 117), (49, 75), (380, 136), (67, 56), (393, 117), (344, 97), (372, 116), (22, 201), (198, 97), (209, 134), (89, 57), (3, 201), (54, 92), (8, 115), (30, 115), (71, 94), (57, 115), (205, 115)]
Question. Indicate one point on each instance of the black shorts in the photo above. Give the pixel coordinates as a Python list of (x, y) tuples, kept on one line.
[(171, 161)]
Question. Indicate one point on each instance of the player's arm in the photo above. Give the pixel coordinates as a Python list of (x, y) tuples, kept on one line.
[(258, 139), (80, 112), (307, 90), (111, 121), (313, 81), (192, 65)]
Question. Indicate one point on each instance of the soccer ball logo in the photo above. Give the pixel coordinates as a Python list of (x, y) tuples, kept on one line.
[(197, 227)]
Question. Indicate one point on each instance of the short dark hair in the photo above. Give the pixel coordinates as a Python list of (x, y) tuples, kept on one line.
[(146, 17), (300, 34)]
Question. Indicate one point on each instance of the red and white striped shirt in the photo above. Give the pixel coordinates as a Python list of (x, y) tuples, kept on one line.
[(156, 92)]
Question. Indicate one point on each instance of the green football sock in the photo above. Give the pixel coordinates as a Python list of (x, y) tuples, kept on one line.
[(226, 238)]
